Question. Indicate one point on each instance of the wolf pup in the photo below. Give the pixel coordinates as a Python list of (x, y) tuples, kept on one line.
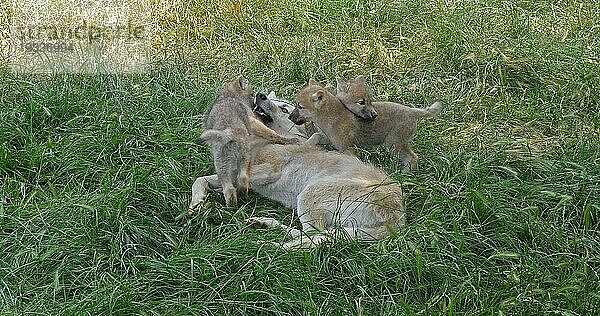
[(394, 126), (229, 125)]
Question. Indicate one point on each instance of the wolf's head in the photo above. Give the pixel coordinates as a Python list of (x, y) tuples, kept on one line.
[(311, 101), (356, 97), (268, 108), (240, 88)]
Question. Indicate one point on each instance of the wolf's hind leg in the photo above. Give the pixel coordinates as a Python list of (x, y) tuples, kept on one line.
[(300, 239), (404, 152), (230, 194), (244, 179), (306, 242)]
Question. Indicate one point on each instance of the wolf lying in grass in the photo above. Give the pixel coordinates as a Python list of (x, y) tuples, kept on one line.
[(229, 127), (334, 194), (394, 126)]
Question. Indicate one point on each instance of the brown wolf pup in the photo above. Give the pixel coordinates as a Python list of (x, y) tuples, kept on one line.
[(394, 126), (229, 129)]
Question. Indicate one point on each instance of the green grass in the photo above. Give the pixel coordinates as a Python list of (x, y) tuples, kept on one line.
[(504, 212)]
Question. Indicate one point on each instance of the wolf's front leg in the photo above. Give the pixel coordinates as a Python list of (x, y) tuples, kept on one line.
[(259, 129), (199, 190)]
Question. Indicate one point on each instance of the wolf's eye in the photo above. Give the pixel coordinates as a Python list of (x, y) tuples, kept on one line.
[(299, 107), (284, 110), (361, 102)]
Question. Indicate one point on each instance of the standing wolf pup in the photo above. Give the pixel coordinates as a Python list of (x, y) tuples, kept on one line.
[(394, 126), (229, 125)]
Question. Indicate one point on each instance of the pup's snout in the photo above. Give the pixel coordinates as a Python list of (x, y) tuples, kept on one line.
[(367, 113), (296, 117)]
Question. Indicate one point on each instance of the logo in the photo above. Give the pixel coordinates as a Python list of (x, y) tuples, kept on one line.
[(86, 37)]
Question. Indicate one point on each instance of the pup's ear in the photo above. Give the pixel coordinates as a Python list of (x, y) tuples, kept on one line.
[(241, 83), (318, 98), (360, 79), (239, 80), (271, 95), (341, 85), (313, 82)]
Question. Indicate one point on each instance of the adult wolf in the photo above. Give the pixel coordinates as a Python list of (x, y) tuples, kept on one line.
[(334, 194)]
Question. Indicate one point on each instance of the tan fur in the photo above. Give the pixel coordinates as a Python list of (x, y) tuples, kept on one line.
[(229, 127), (394, 126), (334, 195), (356, 97), (336, 124)]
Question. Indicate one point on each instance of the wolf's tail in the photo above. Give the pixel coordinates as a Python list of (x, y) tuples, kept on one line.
[(215, 136), (431, 110)]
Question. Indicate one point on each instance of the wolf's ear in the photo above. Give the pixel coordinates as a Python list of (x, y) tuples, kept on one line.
[(318, 98), (340, 80), (341, 85), (239, 80), (241, 83), (313, 82), (271, 95), (360, 79)]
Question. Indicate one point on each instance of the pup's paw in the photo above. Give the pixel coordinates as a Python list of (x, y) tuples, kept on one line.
[(261, 222), (414, 165), (310, 142), (411, 166), (318, 138)]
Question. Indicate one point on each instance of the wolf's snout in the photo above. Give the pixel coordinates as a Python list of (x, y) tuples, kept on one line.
[(261, 96), (261, 107), (368, 114)]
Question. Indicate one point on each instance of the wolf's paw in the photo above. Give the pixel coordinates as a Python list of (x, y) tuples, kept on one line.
[(411, 166), (305, 242), (261, 222), (313, 140), (194, 206)]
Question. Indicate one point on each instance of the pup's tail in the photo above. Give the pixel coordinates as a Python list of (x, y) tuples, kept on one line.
[(215, 136), (431, 110)]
